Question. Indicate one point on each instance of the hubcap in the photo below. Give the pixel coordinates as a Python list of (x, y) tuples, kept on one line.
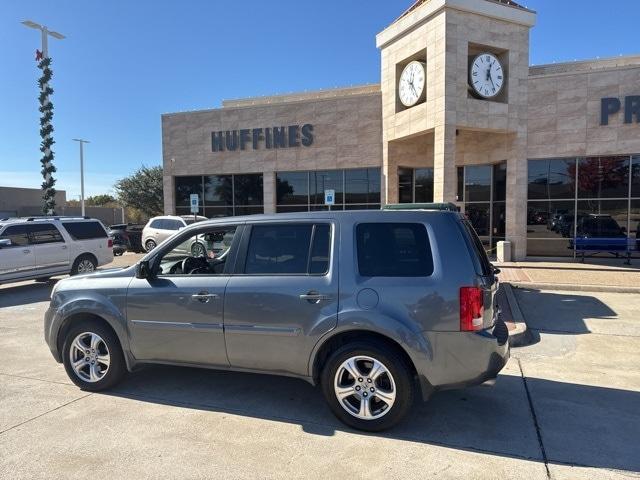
[(89, 357), (151, 245), (85, 266), (365, 387)]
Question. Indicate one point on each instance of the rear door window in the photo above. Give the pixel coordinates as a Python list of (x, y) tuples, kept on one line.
[(84, 230), (292, 249), (44, 233), (17, 234), (170, 224), (393, 250)]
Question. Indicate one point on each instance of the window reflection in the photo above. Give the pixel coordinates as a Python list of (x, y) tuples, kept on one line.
[(185, 186), (552, 179), (477, 183), (304, 191), (603, 177)]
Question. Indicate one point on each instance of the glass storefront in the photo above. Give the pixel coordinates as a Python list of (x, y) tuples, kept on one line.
[(593, 197), (304, 191), (415, 185), (483, 189), (221, 195)]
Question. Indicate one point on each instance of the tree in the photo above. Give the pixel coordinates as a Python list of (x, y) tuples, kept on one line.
[(103, 200), (142, 191)]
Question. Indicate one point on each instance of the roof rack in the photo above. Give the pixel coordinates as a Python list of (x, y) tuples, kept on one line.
[(57, 217), (451, 207)]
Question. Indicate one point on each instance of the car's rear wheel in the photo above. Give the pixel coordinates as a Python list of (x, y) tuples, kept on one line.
[(198, 250), (84, 264), (150, 245), (368, 386), (92, 356)]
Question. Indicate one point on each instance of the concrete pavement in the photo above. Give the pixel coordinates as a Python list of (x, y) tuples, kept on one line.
[(166, 422)]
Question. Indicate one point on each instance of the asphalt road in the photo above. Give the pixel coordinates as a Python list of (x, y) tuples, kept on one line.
[(566, 407)]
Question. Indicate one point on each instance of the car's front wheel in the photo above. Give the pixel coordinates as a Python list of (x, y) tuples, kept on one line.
[(92, 356), (368, 386)]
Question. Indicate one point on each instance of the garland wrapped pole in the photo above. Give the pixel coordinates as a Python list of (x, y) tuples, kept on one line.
[(46, 115), (46, 132)]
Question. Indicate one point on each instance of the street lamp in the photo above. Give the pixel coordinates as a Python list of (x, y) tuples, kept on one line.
[(46, 110), (45, 32), (81, 142)]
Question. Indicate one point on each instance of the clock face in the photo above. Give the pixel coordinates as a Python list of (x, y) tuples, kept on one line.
[(486, 75), (412, 83)]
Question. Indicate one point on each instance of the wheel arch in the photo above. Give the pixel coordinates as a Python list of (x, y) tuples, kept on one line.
[(79, 316)]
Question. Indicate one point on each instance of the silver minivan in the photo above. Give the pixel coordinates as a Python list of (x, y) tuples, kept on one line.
[(375, 307)]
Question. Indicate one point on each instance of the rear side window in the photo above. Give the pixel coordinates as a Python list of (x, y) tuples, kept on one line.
[(44, 233), (17, 234), (169, 224), (157, 223), (393, 250), (294, 249), (478, 249), (84, 230)]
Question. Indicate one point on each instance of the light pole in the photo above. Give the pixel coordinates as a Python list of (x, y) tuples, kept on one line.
[(81, 142), (46, 111)]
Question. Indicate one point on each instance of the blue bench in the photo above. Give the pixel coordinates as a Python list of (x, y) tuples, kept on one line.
[(614, 246)]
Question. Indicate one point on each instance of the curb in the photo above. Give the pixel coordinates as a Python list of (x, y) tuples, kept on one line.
[(569, 287), (521, 335)]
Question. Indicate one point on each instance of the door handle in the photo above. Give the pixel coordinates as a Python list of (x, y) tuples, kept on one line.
[(314, 297), (204, 297), (64, 247), (26, 250)]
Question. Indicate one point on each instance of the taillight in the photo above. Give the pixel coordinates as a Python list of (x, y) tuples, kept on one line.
[(471, 309), (110, 243)]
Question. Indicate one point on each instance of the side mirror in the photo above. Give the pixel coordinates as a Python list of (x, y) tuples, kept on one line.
[(143, 270), (5, 242)]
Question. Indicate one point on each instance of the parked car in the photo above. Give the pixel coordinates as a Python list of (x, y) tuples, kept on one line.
[(127, 237), (41, 247), (158, 229), (599, 226), (375, 307)]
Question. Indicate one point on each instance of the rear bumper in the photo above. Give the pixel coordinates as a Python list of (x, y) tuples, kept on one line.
[(463, 359)]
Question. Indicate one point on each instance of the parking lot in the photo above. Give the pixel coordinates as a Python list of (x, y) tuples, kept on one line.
[(563, 407)]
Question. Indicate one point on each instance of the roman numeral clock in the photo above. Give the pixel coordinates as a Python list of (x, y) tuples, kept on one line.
[(486, 76)]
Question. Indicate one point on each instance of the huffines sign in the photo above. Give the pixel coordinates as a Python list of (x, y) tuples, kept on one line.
[(268, 137)]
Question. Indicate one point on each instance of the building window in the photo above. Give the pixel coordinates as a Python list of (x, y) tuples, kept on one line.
[(593, 196), (221, 195), (415, 185), (483, 189), (304, 191)]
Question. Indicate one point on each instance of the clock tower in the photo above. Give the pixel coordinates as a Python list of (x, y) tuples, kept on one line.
[(470, 109)]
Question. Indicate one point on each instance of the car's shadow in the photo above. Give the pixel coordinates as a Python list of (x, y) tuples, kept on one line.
[(25, 293), (495, 421)]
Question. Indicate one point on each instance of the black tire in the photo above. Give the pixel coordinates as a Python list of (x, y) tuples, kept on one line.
[(198, 250), (150, 245), (117, 367), (400, 371), (81, 264)]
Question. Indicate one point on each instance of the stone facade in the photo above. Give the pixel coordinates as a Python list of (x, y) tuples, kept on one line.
[(544, 112), (347, 128)]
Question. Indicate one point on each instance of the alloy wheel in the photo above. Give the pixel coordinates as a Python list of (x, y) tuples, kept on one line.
[(365, 387), (86, 266), (90, 357)]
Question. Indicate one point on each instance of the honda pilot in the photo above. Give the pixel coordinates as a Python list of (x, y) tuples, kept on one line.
[(377, 308)]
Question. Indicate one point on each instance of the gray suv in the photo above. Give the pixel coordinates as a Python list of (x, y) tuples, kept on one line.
[(375, 307)]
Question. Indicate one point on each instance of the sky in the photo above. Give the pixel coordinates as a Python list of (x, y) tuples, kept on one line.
[(124, 63)]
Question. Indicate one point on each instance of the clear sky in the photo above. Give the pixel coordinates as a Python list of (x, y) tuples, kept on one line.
[(124, 63)]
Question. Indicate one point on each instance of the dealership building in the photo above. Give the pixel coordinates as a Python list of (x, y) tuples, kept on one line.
[(459, 116)]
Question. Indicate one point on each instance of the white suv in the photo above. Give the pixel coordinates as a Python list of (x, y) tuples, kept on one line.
[(41, 247), (158, 229)]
